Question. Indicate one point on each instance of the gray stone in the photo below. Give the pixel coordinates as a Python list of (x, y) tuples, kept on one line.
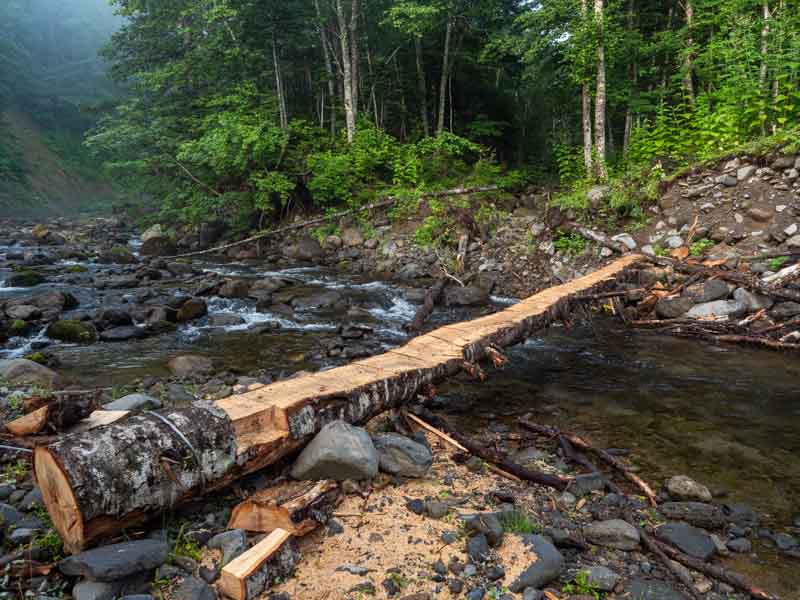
[(532, 594), (740, 514), (339, 451), (672, 308), (714, 289), (646, 589), (753, 302), (232, 543), (123, 334), (478, 548), (308, 248), (110, 563), (718, 308), (190, 365), (587, 483), (759, 214), (784, 541), (399, 455), (614, 533), (745, 172), (488, 524), (31, 500), (687, 538), (192, 588), (793, 242), (696, 513), (133, 402), (740, 545), (674, 241), (626, 240), (597, 194), (22, 536), (20, 370), (547, 565), (783, 162), (727, 180), (322, 300), (225, 320), (96, 590), (9, 516), (681, 487), (465, 296), (602, 578), (785, 310)]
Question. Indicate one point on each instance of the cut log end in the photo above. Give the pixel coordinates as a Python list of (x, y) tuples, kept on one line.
[(247, 576), (59, 499)]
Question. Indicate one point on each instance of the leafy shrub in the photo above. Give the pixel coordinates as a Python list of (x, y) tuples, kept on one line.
[(571, 244)]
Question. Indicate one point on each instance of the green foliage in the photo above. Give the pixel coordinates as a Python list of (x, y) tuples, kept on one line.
[(184, 546), (700, 247), (571, 244), (581, 586), (776, 264), (14, 471), (517, 521)]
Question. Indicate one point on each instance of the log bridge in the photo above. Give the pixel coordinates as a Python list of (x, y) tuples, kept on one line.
[(99, 481)]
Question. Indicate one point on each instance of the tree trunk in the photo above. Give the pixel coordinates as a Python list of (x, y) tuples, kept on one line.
[(355, 54), (347, 72), (445, 75), (279, 86), (633, 72), (328, 67), (586, 113), (688, 63), (600, 97), (422, 87)]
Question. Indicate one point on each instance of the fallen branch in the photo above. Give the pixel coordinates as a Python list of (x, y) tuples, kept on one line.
[(60, 414), (585, 445), (602, 240), (490, 456), (336, 215), (432, 297), (720, 574)]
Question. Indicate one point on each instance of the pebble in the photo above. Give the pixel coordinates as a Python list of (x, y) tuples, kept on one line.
[(476, 594), (614, 533), (456, 586), (740, 545), (232, 543), (478, 548)]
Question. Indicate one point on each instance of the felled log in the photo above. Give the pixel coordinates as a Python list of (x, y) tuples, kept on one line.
[(247, 576), (432, 297), (60, 414), (101, 481), (298, 507)]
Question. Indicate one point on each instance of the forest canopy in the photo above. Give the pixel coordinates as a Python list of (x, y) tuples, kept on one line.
[(236, 108)]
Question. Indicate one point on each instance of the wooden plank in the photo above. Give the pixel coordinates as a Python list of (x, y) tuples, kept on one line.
[(248, 575)]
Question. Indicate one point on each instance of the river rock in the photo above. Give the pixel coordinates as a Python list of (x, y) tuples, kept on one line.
[(626, 240), (192, 588), (753, 302), (602, 578), (112, 317), (225, 320), (190, 364), (399, 455), (21, 371), (307, 248), (672, 308), (123, 334), (110, 563), (235, 288), (232, 543), (614, 533), (587, 483), (740, 514), (339, 451), (740, 545), (646, 589), (75, 332), (488, 524), (547, 565), (158, 246), (478, 548), (696, 513), (25, 278), (134, 402), (687, 538), (761, 215), (9, 516), (465, 296), (193, 308), (352, 237), (23, 312), (322, 300), (681, 487), (785, 310), (718, 308)]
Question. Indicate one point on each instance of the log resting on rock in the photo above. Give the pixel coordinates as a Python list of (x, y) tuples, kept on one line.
[(100, 481)]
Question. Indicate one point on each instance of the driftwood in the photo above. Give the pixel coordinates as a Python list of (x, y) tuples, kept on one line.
[(553, 481), (336, 215), (733, 579), (585, 445), (298, 507), (99, 482), (247, 576), (60, 414), (432, 297), (572, 454), (601, 239)]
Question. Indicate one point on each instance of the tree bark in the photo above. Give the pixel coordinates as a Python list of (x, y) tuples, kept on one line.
[(347, 71), (355, 55), (284, 117), (328, 67), (600, 96), (421, 86), (688, 63), (586, 113), (445, 76)]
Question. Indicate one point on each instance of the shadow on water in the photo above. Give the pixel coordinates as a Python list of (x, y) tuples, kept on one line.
[(726, 416)]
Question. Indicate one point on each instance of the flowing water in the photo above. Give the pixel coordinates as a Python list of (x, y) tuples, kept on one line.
[(727, 416)]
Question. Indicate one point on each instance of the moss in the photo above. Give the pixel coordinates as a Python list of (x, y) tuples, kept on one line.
[(37, 357), (18, 327), (76, 269), (25, 278), (72, 331)]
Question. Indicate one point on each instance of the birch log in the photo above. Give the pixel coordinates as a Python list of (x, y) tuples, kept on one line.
[(100, 481)]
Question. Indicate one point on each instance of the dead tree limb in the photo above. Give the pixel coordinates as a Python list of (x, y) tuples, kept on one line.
[(432, 298)]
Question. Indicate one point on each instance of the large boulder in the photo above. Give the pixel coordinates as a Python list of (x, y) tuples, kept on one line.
[(547, 565), (339, 451), (399, 455), (25, 278), (110, 563), (156, 242), (193, 308), (71, 331), (235, 288), (189, 365), (307, 248), (322, 300), (465, 296), (22, 371), (614, 533), (154, 231)]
